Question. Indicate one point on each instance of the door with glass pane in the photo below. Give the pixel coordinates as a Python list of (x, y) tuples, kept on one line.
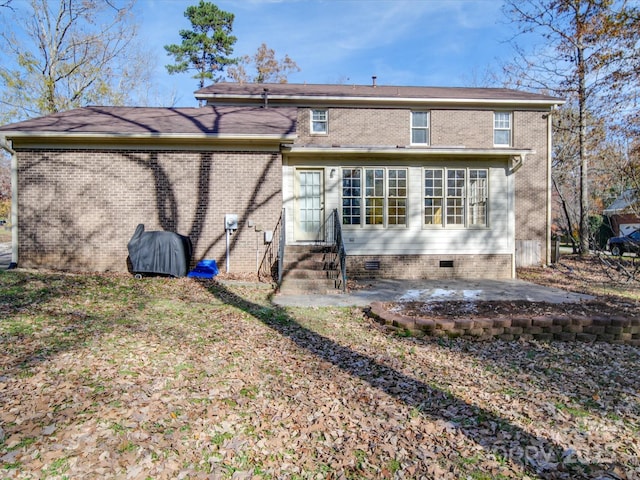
[(309, 214)]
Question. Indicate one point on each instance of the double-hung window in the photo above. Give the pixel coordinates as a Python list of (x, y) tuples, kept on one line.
[(319, 122), (420, 128), (502, 129), (455, 197), (374, 197)]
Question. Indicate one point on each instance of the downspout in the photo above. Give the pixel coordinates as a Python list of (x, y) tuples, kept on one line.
[(4, 144), (549, 181), (516, 164)]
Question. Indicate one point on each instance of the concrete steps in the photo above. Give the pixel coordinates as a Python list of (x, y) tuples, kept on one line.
[(309, 269)]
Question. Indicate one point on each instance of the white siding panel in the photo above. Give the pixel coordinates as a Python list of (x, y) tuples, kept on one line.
[(419, 240), (415, 238)]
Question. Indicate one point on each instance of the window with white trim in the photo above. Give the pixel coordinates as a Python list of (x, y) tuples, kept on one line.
[(477, 195), (374, 197), (319, 122), (502, 129), (420, 128), (455, 197)]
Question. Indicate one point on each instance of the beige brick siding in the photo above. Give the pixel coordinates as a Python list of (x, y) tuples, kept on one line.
[(362, 126), (462, 128), (453, 128), (428, 266), (79, 208), (531, 183)]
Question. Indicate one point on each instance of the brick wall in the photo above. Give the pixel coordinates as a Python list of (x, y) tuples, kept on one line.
[(429, 266), (531, 186), (79, 208), (545, 327), (451, 128)]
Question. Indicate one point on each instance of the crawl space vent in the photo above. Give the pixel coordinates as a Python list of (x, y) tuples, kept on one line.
[(446, 263), (372, 265)]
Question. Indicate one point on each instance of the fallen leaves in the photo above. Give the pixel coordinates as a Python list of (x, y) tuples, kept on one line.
[(110, 377)]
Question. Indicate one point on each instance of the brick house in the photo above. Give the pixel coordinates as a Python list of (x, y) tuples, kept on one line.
[(421, 182), (622, 213)]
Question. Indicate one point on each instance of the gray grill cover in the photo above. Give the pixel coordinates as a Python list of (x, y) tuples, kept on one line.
[(161, 253)]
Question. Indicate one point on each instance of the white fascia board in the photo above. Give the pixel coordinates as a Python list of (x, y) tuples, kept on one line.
[(448, 151), (320, 100), (150, 135)]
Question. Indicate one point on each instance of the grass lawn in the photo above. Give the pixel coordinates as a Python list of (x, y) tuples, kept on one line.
[(104, 376)]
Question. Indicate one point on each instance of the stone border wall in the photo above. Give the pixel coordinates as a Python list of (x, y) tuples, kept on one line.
[(614, 329)]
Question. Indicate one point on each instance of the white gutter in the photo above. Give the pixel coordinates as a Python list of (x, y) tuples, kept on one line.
[(400, 150), (376, 100), (155, 135), (549, 182), (4, 144)]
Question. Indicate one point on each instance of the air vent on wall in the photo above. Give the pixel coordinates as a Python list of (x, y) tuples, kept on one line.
[(372, 265), (446, 263)]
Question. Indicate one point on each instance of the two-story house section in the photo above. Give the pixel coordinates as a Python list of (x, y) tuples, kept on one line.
[(419, 182), (427, 182)]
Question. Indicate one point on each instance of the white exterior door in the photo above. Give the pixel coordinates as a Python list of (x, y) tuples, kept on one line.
[(309, 216)]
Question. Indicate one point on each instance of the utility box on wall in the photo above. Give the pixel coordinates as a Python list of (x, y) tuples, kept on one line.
[(231, 221)]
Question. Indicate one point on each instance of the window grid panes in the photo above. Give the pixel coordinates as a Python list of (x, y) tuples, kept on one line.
[(502, 128), (455, 197), (465, 197), (433, 195), (319, 121), (351, 196), (397, 197), (374, 196), (477, 193), (420, 127)]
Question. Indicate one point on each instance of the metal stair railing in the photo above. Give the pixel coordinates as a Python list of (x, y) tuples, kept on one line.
[(338, 250), (273, 258)]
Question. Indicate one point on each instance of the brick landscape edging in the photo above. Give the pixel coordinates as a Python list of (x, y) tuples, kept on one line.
[(595, 328)]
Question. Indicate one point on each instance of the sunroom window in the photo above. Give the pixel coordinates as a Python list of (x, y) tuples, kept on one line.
[(455, 197), (374, 197)]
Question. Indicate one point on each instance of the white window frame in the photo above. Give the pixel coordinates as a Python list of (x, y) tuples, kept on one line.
[(379, 196), (503, 122), (448, 203), (319, 121), (423, 128)]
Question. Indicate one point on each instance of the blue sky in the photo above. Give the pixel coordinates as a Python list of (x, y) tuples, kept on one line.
[(402, 42)]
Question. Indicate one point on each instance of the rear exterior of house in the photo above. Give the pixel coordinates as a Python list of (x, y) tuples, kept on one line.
[(422, 182)]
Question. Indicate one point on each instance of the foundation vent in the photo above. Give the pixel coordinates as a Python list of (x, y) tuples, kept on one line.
[(372, 265), (446, 263)]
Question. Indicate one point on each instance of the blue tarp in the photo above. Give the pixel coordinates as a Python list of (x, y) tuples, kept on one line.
[(204, 269)]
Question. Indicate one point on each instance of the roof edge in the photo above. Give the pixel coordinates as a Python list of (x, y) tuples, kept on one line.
[(380, 100)]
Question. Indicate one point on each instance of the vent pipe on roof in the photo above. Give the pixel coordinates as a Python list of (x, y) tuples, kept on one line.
[(266, 97), (374, 79)]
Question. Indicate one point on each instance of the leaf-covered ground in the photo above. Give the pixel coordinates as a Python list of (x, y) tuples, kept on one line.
[(111, 377)]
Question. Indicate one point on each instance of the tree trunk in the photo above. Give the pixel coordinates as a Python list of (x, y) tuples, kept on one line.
[(584, 164)]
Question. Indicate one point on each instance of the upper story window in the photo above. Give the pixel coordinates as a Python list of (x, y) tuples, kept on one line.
[(420, 128), (319, 122), (502, 129)]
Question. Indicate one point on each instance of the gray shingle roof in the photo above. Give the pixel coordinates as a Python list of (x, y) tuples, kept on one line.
[(148, 120), (369, 91)]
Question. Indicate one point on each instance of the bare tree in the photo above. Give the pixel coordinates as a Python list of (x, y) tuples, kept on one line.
[(69, 54), (586, 54), (268, 69)]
